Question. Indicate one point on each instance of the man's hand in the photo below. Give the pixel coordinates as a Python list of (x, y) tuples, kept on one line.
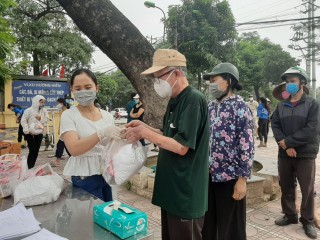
[(135, 123), (240, 189), (135, 133), (282, 144), (291, 152)]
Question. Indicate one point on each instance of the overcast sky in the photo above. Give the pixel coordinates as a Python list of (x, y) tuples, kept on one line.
[(148, 21)]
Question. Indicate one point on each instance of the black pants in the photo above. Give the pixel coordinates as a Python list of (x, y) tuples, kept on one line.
[(143, 143), (34, 143), (60, 147), (20, 133), (263, 129), (173, 227), (302, 169), (226, 217)]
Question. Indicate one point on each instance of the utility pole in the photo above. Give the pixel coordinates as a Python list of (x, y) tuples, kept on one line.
[(313, 51), (309, 39), (308, 62)]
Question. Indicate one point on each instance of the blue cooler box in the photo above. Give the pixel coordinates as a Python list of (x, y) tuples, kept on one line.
[(124, 221)]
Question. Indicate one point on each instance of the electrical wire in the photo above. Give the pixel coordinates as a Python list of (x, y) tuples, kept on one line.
[(276, 21), (257, 28), (253, 12), (111, 64)]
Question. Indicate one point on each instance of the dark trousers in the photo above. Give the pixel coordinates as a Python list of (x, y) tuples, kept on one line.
[(34, 143), (302, 169), (263, 129), (60, 147), (95, 184), (143, 143), (173, 227), (20, 133), (226, 217)]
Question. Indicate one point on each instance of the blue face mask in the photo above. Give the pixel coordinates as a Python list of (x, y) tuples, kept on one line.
[(136, 101), (292, 88)]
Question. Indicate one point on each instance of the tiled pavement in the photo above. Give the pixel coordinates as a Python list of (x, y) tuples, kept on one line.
[(260, 219)]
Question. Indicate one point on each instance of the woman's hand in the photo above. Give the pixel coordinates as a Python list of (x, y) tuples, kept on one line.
[(112, 132), (240, 189)]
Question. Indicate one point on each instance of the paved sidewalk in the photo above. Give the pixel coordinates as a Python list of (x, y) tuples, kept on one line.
[(260, 219)]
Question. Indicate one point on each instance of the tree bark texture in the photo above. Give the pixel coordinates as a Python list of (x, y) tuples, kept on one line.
[(123, 43), (36, 63)]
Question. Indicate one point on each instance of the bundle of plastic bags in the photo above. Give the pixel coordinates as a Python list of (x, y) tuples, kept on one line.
[(122, 160), (12, 171)]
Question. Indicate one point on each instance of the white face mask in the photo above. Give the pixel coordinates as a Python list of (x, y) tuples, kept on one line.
[(59, 106), (85, 97), (251, 99), (162, 87)]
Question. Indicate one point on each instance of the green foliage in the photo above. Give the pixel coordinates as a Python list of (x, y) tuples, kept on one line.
[(6, 40), (49, 36), (115, 89), (206, 33), (107, 87), (260, 63)]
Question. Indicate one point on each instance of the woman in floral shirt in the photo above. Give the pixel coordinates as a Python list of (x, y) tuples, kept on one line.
[(230, 157)]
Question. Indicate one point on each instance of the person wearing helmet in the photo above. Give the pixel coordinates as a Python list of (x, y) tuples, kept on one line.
[(231, 153), (295, 124), (280, 93)]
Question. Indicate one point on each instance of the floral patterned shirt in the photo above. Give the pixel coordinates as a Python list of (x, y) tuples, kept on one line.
[(231, 139)]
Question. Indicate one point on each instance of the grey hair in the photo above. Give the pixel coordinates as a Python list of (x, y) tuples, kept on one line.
[(183, 70)]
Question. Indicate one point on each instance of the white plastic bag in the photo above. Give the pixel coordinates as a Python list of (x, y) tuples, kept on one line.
[(41, 170), (36, 128), (122, 160), (12, 169), (39, 190)]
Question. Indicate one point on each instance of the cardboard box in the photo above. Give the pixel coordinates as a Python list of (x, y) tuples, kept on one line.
[(120, 219), (9, 147)]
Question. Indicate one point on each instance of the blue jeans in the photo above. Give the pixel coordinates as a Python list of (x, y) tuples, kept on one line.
[(96, 185)]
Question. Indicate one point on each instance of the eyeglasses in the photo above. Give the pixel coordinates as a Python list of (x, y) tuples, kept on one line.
[(157, 79)]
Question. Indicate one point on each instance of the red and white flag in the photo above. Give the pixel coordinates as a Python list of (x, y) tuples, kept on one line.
[(45, 72), (62, 71)]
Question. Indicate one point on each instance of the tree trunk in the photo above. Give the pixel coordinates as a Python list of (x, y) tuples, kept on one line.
[(256, 91), (122, 42), (36, 64)]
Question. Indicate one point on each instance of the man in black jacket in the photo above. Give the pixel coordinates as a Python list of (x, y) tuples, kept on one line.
[(295, 124)]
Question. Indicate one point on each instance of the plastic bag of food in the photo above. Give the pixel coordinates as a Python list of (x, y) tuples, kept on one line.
[(39, 190), (122, 160)]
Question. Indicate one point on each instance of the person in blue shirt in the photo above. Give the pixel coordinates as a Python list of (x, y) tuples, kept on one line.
[(130, 105), (18, 111), (263, 115)]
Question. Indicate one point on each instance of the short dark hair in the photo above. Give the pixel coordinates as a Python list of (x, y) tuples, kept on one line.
[(63, 101), (86, 71), (13, 105)]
